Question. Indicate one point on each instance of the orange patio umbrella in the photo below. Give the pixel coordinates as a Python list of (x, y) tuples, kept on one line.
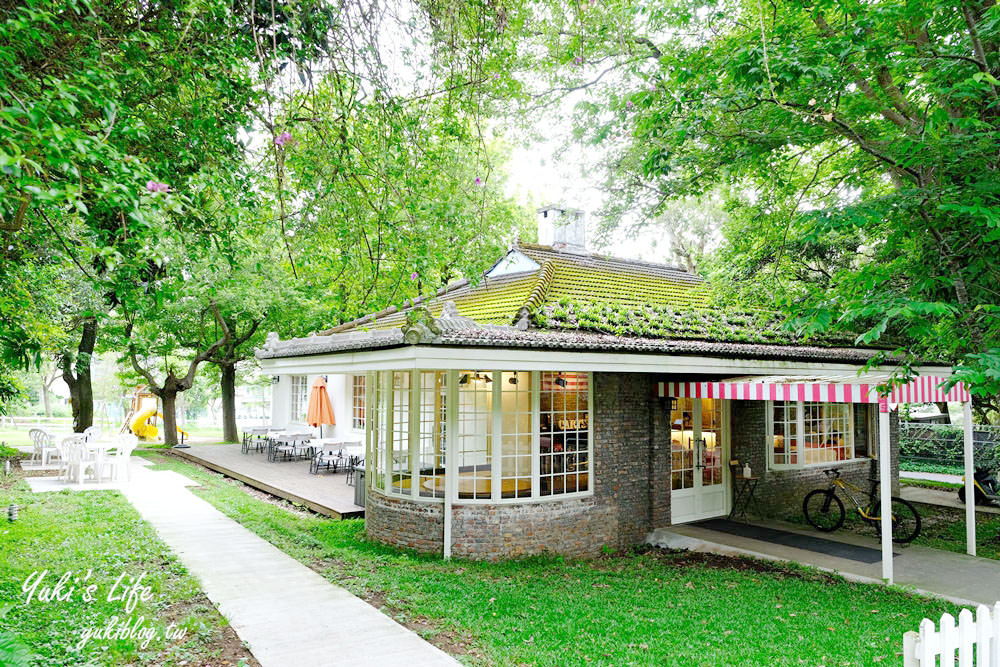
[(320, 411)]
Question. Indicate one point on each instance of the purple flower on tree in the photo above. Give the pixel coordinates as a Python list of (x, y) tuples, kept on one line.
[(156, 186), (628, 104), (478, 181), (283, 138), (414, 276)]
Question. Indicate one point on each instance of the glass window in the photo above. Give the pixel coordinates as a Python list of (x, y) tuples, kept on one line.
[(785, 440), (376, 428), (358, 402), (300, 398), (512, 434), (400, 432), (564, 442), (515, 436), (682, 444), (475, 434), (811, 434), (433, 432)]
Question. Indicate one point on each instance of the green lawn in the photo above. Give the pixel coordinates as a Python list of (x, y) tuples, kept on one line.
[(916, 466), (14, 437), (642, 609), (929, 484), (99, 531)]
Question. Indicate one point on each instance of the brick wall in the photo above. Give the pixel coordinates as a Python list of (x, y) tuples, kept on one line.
[(572, 527), (625, 409), (404, 523), (780, 492)]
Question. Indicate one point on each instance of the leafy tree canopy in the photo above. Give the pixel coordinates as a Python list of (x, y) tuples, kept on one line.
[(857, 143)]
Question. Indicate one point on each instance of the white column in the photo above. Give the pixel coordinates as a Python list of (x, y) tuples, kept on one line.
[(970, 489), (885, 489), (451, 458)]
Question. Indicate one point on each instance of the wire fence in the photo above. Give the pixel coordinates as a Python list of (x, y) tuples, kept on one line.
[(943, 444)]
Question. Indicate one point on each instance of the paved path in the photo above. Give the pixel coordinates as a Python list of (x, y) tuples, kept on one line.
[(956, 577), (287, 614), (942, 498), (931, 476)]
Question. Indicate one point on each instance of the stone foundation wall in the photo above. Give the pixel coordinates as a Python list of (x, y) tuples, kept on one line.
[(404, 523), (574, 527), (780, 492)]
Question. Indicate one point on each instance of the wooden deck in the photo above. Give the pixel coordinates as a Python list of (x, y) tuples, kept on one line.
[(325, 493)]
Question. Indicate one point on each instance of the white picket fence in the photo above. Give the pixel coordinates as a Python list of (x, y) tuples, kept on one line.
[(974, 641)]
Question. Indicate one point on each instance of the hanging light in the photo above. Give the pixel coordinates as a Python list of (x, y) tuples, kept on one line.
[(464, 379), (560, 380), (513, 379)]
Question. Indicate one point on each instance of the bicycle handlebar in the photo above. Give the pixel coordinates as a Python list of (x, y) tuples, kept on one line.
[(832, 471)]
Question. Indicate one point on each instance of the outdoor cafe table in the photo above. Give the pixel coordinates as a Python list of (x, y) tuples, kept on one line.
[(292, 438), (470, 486), (350, 450)]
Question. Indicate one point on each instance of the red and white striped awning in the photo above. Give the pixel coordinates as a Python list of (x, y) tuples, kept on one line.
[(833, 389)]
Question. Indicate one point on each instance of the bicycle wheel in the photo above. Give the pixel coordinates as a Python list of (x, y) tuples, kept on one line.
[(824, 510), (905, 520)]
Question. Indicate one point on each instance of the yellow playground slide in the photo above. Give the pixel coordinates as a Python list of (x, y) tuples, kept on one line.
[(144, 430)]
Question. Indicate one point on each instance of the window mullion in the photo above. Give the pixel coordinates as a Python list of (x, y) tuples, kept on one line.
[(388, 426), (800, 453), (536, 427), (413, 436), (590, 435), (496, 442)]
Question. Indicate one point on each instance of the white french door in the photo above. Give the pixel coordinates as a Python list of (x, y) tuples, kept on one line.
[(699, 444)]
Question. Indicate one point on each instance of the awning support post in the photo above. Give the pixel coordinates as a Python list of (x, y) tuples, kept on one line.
[(970, 489), (885, 489)]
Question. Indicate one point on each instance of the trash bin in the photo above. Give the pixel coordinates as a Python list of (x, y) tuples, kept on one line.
[(359, 486)]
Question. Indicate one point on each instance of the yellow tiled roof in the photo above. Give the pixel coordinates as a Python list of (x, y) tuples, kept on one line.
[(561, 277)]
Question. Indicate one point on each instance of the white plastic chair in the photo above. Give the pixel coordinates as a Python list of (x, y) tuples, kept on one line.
[(78, 458), (44, 445), (117, 462), (92, 434)]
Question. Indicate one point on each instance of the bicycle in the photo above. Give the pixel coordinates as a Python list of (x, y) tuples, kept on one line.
[(824, 509)]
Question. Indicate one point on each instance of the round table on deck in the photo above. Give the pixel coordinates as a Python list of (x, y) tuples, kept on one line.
[(470, 486)]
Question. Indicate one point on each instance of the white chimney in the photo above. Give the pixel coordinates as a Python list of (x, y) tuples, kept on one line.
[(562, 228)]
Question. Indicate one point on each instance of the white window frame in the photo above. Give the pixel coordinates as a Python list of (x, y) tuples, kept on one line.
[(451, 408), (800, 421), (356, 423), (296, 416)]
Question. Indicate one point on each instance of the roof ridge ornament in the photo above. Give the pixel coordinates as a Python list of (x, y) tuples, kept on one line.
[(420, 326), (452, 320)]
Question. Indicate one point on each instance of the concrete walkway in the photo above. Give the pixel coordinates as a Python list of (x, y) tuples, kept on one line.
[(931, 476), (287, 614), (941, 498), (957, 577)]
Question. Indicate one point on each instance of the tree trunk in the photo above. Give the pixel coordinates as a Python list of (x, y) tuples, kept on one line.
[(168, 399), (943, 409), (228, 373), (46, 400), (81, 392)]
